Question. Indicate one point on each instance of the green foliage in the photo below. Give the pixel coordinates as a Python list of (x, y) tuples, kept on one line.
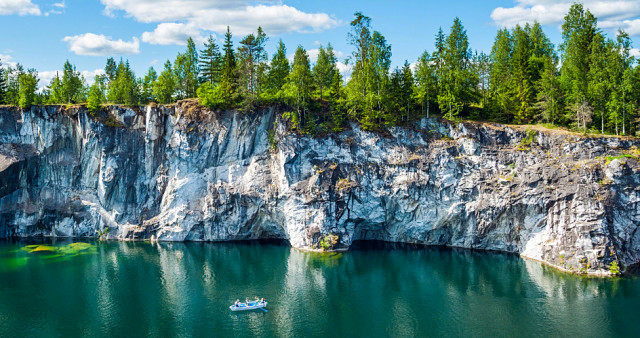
[(186, 70), (328, 242), (28, 84), (325, 69), (527, 140), (72, 84), (3, 84), (96, 95), (163, 87), (271, 136), (614, 268), (210, 62), (102, 234), (123, 89)]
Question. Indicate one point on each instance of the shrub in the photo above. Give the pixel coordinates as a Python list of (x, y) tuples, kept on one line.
[(614, 268)]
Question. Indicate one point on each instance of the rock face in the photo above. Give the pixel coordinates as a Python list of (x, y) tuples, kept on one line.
[(179, 174)]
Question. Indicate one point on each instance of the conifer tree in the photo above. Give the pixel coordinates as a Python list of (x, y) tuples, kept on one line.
[(324, 69), (96, 94), (56, 91), (71, 84), (164, 86), (3, 84), (27, 86), (278, 73), (210, 62)]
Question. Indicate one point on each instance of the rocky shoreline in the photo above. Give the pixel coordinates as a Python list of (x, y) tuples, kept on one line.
[(181, 173)]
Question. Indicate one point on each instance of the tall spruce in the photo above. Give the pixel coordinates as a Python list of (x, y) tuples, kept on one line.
[(210, 62)]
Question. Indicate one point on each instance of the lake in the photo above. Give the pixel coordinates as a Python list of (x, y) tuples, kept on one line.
[(185, 289)]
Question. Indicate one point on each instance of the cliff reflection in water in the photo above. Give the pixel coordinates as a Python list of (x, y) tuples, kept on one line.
[(184, 289)]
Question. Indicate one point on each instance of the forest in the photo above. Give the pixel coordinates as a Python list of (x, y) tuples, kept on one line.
[(589, 83)]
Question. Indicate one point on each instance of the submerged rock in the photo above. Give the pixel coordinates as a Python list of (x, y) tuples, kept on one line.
[(179, 174)]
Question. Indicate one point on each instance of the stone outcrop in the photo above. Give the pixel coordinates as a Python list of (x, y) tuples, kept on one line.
[(184, 174)]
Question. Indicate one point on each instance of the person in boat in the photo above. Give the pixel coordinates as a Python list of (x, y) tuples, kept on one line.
[(261, 300), (256, 299), (247, 300), (237, 304)]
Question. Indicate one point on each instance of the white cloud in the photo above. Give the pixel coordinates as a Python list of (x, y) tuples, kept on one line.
[(635, 52), (6, 61), (611, 14), (345, 70), (20, 7), (215, 15), (59, 5), (172, 33), (98, 45)]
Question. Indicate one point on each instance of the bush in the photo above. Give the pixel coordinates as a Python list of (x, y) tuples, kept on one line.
[(329, 242), (614, 268)]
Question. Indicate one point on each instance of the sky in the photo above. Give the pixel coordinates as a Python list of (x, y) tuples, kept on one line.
[(43, 34)]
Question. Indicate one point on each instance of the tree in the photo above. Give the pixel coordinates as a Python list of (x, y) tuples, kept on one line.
[(186, 71), (501, 77), (458, 82), (56, 91), (124, 88), (324, 69), (146, 93), (297, 90), (549, 98), (28, 84), (110, 70), (251, 54), (96, 94), (278, 73), (71, 84), (164, 86), (210, 62), (426, 80), (578, 31), (3, 84), (360, 39), (228, 82)]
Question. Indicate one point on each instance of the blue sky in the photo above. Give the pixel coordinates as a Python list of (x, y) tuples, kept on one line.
[(42, 34)]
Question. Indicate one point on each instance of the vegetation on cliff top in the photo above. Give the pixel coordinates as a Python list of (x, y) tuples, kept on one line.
[(590, 83)]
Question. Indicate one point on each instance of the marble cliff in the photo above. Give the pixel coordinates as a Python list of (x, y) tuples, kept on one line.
[(182, 173)]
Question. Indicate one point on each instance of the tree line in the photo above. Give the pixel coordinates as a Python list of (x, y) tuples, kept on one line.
[(590, 82)]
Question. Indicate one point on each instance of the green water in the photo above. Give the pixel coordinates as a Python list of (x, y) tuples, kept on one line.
[(176, 289)]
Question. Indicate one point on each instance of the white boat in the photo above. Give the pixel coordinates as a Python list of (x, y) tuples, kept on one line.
[(248, 306)]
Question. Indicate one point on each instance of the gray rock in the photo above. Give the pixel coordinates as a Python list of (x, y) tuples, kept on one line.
[(172, 174)]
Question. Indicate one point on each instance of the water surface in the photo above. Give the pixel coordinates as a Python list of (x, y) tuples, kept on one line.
[(184, 289)]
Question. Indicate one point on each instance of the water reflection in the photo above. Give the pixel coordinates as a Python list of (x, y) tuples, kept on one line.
[(178, 289)]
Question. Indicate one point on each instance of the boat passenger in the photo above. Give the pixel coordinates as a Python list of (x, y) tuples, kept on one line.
[(237, 302), (247, 300), (262, 300)]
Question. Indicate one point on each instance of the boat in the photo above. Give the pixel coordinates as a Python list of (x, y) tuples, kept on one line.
[(248, 306)]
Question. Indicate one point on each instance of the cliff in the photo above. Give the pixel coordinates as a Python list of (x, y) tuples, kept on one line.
[(184, 174)]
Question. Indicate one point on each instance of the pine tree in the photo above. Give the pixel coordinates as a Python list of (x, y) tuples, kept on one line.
[(164, 86), (501, 77), (324, 69), (210, 62), (56, 91), (578, 31), (227, 88), (71, 84), (146, 93), (28, 84), (110, 71), (251, 55), (278, 73), (426, 82), (96, 95), (298, 87), (457, 85), (3, 84)]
